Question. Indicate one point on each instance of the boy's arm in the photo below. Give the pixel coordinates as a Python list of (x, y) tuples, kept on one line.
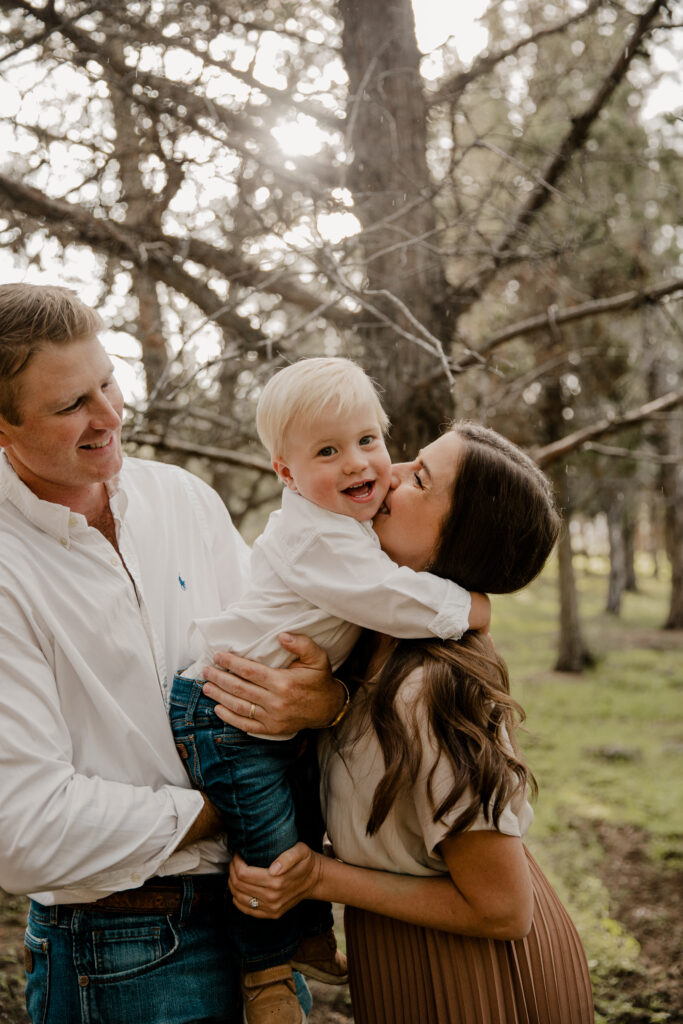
[(342, 570), (480, 612)]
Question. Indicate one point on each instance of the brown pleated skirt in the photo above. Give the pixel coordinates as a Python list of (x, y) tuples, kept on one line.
[(407, 974)]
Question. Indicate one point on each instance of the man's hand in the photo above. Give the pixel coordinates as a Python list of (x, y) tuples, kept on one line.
[(276, 701)]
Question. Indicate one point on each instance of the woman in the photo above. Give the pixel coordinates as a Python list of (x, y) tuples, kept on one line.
[(423, 778)]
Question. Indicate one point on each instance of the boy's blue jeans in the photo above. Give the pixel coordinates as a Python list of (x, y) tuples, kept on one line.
[(267, 792)]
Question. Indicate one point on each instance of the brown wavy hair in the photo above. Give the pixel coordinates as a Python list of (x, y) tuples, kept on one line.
[(500, 529), (31, 316)]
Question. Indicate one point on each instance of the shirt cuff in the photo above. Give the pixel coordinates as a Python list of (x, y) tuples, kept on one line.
[(454, 617)]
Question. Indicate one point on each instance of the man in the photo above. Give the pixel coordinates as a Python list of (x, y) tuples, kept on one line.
[(104, 563)]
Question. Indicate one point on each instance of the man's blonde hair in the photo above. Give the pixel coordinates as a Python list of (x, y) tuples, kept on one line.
[(303, 390), (31, 316)]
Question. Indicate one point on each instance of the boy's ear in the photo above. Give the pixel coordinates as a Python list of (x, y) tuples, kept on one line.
[(284, 472)]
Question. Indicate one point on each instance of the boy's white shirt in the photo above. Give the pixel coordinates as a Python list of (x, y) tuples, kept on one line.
[(325, 575)]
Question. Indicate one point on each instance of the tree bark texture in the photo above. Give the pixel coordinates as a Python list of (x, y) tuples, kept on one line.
[(390, 182)]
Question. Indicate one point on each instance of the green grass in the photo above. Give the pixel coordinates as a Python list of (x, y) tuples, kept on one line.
[(604, 745)]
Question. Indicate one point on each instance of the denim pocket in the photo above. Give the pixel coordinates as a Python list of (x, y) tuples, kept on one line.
[(186, 745), (37, 964), (126, 947)]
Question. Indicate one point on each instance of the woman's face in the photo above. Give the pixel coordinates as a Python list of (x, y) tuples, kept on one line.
[(409, 522)]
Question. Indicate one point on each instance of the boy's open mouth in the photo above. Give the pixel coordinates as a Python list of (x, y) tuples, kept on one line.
[(363, 490)]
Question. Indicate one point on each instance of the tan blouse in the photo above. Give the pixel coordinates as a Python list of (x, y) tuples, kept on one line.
[(407, 839)]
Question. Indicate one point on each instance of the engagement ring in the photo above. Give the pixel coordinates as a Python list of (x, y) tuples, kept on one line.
[(253, 902)]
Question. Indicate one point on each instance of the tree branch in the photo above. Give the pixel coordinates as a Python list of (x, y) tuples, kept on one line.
[(609, 425), (573, 141), (225, 455), (454, 86), (554, 316), (164, 253)]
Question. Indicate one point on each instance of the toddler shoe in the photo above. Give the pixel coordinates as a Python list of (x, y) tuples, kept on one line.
[(269, 997), (318, 957)]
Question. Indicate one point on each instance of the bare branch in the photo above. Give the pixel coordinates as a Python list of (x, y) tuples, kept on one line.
[(596, 307), (573, 141), (635, 455), (609, 425), (164, 253), (225, 455), (451, 89)]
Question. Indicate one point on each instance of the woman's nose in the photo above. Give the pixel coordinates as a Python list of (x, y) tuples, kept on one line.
[(399, 471)]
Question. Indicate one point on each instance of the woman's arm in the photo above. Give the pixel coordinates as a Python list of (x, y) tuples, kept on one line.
[(492, 898)]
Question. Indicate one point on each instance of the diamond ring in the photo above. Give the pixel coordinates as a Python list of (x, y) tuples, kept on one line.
[(253, 903)]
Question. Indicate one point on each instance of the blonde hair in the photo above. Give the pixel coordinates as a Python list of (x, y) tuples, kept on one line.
[(303, 390), (31, 316)]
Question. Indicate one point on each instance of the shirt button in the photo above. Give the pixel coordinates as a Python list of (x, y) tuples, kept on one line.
[(114, 561), (73, 521), (135, 877), (63, 541)]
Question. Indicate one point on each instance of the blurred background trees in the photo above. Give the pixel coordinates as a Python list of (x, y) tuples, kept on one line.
[(241, 185)]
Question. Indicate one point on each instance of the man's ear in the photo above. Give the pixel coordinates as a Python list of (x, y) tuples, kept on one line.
[(284, 472)]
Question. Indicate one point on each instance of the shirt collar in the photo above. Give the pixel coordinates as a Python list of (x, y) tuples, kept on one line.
[(56, 520)]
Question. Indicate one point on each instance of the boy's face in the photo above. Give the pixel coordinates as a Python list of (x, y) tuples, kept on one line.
[(338, 461)]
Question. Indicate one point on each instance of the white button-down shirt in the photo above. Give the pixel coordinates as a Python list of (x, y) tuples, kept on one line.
[(93, 796), (325, 574)]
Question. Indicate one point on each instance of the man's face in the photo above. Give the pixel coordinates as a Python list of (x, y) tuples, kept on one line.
[(69, 439)]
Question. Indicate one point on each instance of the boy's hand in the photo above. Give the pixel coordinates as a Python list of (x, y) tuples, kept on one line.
[(276, 701), (480, 612)]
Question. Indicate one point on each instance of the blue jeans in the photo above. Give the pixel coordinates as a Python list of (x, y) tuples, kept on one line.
[(88, 966), (252, 782)]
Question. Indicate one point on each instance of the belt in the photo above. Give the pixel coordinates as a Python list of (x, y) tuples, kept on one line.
[(162, 895)]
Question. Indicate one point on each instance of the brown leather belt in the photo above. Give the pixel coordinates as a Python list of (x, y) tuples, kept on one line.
[(162, 895)]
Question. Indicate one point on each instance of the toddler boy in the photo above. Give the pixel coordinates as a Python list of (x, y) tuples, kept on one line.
[(316, 569)]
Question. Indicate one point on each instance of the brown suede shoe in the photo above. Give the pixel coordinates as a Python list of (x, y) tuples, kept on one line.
[(318, 957), (270, 997)]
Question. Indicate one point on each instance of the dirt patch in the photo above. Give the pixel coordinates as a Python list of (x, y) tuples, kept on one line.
[(647, 898)]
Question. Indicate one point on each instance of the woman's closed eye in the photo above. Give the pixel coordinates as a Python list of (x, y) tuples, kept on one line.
[(418, 482)]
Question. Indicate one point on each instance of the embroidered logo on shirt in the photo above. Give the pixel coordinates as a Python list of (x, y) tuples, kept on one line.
[(183, 584)]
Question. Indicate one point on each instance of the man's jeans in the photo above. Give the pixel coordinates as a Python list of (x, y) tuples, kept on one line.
[(93, 967), (251, 782)]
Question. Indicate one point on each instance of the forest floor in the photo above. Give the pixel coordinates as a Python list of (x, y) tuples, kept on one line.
[(606, 748)]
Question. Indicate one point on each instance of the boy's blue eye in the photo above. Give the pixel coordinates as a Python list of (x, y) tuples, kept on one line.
[(326, 451), (366, 439)]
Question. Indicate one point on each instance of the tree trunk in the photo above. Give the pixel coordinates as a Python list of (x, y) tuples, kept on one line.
[(573, 655), (674, 517), (390, 181), (629, 536), (667, 435), (617, 554)]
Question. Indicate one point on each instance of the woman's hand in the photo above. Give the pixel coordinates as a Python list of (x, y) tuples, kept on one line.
[(276, 701), (289, 879)]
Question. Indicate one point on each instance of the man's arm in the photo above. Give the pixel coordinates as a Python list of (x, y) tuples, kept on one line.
[(305, 695)]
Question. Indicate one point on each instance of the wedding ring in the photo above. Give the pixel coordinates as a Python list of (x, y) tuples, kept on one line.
[(252, 711), (253, 902)]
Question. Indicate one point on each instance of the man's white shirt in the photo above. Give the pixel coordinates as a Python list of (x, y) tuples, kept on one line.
[(93, 796)]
